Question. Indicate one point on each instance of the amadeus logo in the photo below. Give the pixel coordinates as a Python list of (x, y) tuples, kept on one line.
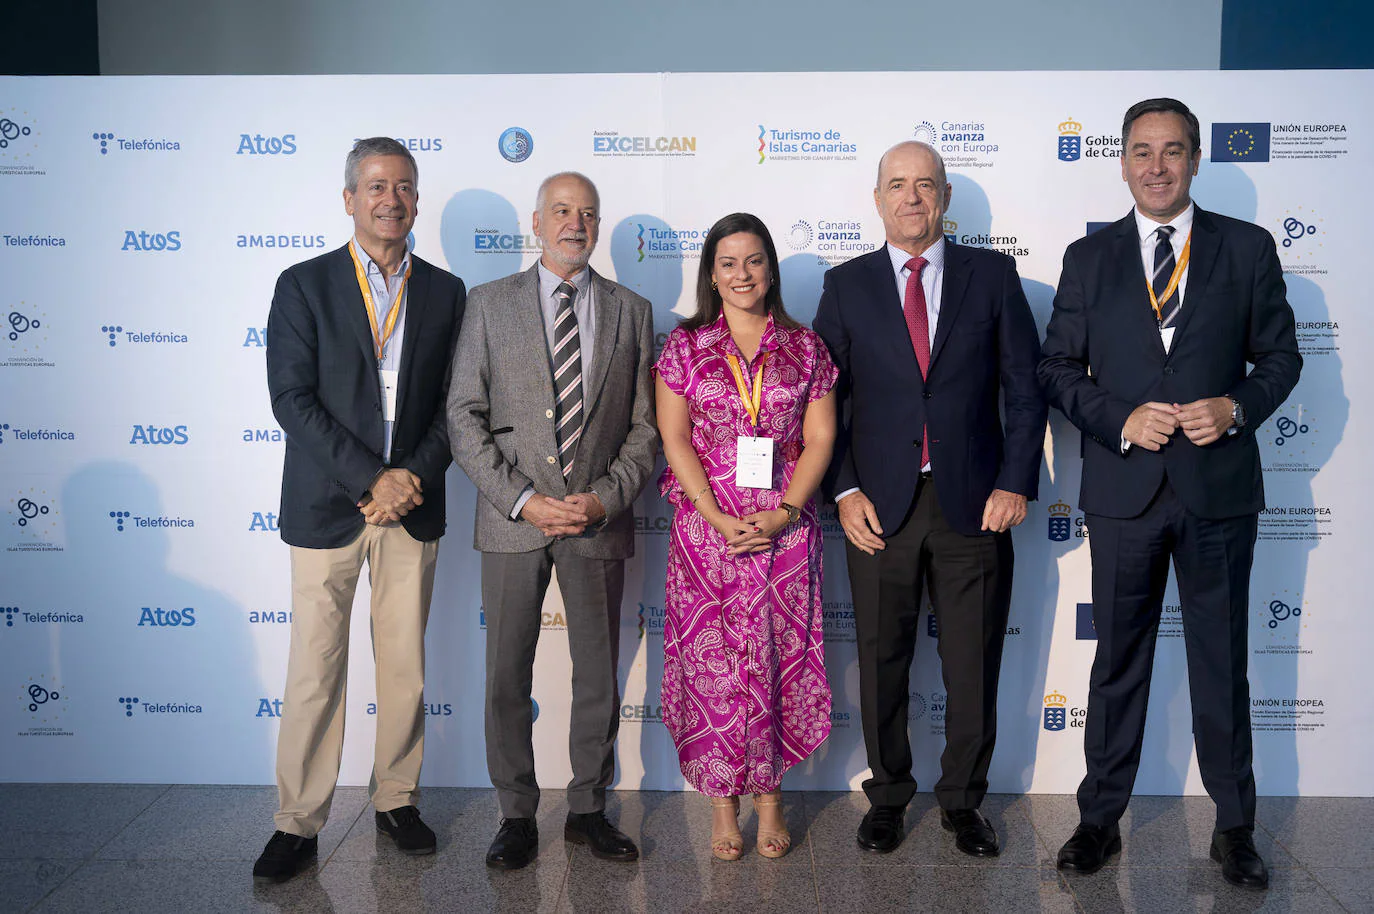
[(263, 522), (431, 708), (263, 435), (160, 435), (515, 144), (106, 141), (258, 145), (418, 144), (495, 241), (157, 617), (144, 242), (115, 334), (269, 240)]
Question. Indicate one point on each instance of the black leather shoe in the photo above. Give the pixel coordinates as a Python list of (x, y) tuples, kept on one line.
[(1240, 863), (515, 845), (284, 856), (1089, 848), (881, 829), (973, 833), (604, 839), (404, 827)]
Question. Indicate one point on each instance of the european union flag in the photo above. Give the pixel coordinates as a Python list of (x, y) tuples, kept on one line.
[(1240, 142), (1085, 630)]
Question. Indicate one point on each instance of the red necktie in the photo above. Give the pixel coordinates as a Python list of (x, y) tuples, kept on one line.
[(918, 325)]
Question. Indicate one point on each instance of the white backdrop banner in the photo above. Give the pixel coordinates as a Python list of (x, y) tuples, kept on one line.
[(143, 222)]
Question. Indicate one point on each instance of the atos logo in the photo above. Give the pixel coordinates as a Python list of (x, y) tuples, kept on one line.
[(1056, 712), (255, 338), (515, 144), (160, 618), (263, 522), (155, 435), (258, 145), (151, 241), (1084, 629), (269, 707), (128, 704)]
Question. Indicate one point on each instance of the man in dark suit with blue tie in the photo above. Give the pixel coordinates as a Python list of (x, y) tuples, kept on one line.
[(359, 343), (1154, 322), (932, 339)]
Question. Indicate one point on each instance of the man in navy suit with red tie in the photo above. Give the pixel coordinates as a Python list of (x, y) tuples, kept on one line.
[(1155, 321), (932, 339)]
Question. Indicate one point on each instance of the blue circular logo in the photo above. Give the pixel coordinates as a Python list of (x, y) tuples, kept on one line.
[(515, 144)]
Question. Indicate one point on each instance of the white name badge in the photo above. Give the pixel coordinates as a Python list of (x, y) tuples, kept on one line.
[(1166, 336), (390, 380), (754, 463)]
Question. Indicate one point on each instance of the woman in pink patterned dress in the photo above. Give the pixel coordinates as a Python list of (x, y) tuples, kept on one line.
[(748, 422)]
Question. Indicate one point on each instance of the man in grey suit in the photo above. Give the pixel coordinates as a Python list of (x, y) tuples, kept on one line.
[(551, 415)]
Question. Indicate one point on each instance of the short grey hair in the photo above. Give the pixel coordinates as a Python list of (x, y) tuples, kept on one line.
[(939, 161), (544, 187), (375, 146)]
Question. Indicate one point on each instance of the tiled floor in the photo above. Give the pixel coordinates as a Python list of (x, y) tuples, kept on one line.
[(139, 848)]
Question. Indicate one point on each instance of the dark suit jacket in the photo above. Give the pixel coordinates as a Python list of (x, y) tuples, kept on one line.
[(1103, 358), (986, 349), (322, 375)]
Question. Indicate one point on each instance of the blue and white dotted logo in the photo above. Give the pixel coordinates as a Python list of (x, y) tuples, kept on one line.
[(515, 144)]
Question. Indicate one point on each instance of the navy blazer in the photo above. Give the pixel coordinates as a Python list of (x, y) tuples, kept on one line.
[(984, 357), (1103, 357), (322, 375)]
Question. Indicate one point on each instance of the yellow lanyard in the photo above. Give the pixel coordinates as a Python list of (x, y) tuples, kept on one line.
[(751, 404), (379, 340), (1173, 279)]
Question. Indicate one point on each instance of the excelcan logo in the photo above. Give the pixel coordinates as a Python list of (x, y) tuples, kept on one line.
[(611, 143), (144, 242), (495, 241), (256, 144), (515, 144), (106, 142), (640, 714)]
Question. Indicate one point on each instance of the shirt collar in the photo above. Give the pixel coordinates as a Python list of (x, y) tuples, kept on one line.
[(370, 267), (934, 255), (1182, 223), (549, 281)]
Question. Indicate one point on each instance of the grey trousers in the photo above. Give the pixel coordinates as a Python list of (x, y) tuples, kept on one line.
[(513, 588)]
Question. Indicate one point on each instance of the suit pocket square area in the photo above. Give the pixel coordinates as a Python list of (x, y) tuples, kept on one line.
[(504, 430)]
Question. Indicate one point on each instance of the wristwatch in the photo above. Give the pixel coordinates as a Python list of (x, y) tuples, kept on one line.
[(1237, 412), (793, 512)]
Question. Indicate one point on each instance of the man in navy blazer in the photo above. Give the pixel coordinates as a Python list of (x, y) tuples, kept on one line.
[(932, 339), (359, 344), (1154, 322)]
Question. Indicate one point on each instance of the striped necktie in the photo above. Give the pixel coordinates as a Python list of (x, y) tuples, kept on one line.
[(1164, 270), (567, 376)]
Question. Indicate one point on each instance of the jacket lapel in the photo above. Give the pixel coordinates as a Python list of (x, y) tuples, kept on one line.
[(888, 318), (1202, 258), (957, 273), (417, 300), (608, 308), (1132, 295), (344, 278), (527, 315)]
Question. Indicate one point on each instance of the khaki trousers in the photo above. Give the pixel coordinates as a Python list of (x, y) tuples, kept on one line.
[(310, 743)]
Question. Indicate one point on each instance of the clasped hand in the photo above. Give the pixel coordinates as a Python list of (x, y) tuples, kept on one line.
[(752, 532), (393, 495), (568, 516), (1151, 425)]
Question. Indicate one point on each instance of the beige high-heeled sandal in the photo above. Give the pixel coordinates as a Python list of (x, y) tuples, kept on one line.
[(726, 845), (772, 842)]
